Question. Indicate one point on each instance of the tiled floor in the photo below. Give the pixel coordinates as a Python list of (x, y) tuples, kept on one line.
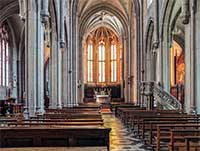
[(121, 139)]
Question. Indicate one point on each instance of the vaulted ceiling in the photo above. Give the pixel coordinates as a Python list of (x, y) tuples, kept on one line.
[(105, 17), (122, 5), (4, 3)]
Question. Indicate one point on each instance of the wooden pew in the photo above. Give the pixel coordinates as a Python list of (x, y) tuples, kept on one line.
[(65, 127), (166, 128), (72, 110), (54, 136), (152, 129), (17, 124), (189, 139), (115, 107), (127, 114), (182, 138), (72, 115), (64, 120), (132, 116), (148, 124)]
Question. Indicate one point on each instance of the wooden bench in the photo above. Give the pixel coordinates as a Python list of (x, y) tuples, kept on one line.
[(54, 136), (72, 110), (148, 125), (189, 139), (58, 127), (72, 123), (182, 138), (128, 114), (163, 132), (152, 129), (72, 115)]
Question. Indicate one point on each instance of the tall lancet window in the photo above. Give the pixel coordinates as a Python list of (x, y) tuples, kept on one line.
[(113, 62), (4, 64), (101, 61), (90, 61)]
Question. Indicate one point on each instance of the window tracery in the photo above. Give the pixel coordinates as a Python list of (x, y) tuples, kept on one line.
[(4, 56)]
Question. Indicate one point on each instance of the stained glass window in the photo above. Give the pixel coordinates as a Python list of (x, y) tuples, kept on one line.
[(90, 61), (4, 56), (101, 61)]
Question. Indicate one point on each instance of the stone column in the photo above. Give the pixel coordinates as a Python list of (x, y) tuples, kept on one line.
[(73, 100), (34, 97), (156, 51), (125, 68), (40, 68), (193, 98), (69, 91), (81, 69), (197, 44), (56, 62), (166, 65), (53, 62)]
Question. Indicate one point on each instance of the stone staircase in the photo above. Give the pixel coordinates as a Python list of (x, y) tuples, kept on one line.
[(153, 92)]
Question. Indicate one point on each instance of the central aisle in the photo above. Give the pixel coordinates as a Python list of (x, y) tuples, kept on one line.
[(121, 139)]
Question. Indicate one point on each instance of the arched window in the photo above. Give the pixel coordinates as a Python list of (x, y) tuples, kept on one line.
[(113, 62), (4, 58), (101, 61), (90, 61)]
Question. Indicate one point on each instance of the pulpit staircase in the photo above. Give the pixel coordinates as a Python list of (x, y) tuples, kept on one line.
[(165, 100)]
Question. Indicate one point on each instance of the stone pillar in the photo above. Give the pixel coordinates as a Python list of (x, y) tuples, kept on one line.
[(197, 44), (53, 62), (156, 54), (166, 65), (34, 97), (73, 60), (81, 69), (125, 68), (193, 98), (40, 68), (56, 63), (69, 58)]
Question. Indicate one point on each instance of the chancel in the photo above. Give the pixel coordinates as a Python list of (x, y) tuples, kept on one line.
[(99, 75)]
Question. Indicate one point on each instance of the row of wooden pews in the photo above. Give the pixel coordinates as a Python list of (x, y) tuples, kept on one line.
[(57, 127), (163, 129)]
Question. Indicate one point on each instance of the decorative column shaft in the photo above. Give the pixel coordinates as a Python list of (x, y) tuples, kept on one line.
[(185, 11), (193, 54), (156, 22), (62, 28), (34, 66), (45, 8), (22, 9)]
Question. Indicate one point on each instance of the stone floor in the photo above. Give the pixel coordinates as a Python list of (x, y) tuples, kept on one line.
[(121, 139)]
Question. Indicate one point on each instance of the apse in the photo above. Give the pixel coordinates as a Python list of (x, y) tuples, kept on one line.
[(102, 46)]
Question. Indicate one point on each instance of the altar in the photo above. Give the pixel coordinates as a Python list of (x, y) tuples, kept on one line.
[(103, 95), (103, 98)]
